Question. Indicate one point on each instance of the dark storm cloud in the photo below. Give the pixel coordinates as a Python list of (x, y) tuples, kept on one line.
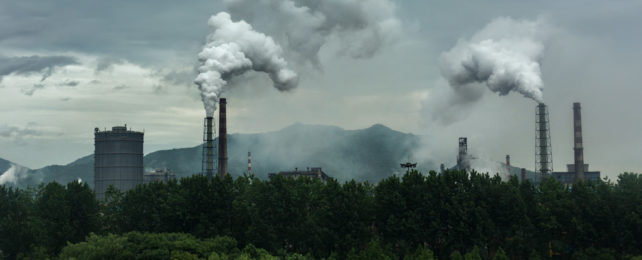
[(33, 64), (30, 91), (118, 29), (18, 132), (180, 77), (70, 83), (107, 63)]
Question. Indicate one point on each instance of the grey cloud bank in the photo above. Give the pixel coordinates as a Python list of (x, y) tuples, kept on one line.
[(596, 61), (26, 65)]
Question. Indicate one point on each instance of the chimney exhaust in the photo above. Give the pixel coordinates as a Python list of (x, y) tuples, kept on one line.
[(578, 147), (222, 138)]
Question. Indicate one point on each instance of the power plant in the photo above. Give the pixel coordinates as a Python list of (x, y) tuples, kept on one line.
[(118, 159)]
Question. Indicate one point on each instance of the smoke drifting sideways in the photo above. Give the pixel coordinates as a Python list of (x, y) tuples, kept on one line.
[(361, 28), (504, 56), (232, 49)]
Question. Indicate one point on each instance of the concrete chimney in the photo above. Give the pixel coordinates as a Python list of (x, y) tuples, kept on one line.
[(577, 137), (523, 174), (222, 138), (209, 148)]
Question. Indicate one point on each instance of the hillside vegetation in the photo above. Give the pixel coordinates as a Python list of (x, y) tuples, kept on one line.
[(442, 215)]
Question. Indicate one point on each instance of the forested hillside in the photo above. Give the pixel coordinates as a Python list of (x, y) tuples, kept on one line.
[(449, 216)]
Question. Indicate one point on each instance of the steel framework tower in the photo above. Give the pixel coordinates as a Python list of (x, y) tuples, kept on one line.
[(207, 162), (543, 152)]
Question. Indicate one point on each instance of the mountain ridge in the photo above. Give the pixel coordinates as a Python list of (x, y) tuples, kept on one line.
[(364, 154)]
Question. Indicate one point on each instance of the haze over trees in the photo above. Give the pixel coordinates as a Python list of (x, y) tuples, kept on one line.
[(455, 215)]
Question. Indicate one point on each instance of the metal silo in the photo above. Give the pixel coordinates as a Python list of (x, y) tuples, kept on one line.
[(118, 159)]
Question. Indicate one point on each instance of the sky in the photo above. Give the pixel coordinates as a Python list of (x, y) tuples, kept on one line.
[(70, 66)]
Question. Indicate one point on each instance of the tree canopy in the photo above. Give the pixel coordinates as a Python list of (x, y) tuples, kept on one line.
[(454, 215)]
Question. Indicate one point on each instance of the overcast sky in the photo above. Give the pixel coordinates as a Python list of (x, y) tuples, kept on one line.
[(69, 66)]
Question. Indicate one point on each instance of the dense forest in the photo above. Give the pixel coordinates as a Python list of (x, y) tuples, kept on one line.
[(454, 215)]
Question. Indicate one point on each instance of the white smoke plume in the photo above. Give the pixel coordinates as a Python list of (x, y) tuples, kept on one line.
[(362, 27), (13, 175), (504, 56), (232, 49)]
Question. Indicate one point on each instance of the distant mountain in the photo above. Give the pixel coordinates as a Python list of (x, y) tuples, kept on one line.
[(366, 154)]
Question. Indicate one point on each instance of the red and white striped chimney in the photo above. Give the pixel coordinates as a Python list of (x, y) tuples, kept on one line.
[(249, 162)]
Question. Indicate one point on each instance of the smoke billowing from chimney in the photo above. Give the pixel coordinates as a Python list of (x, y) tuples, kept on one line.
[(361, 28), (232, 49), (504, 56)]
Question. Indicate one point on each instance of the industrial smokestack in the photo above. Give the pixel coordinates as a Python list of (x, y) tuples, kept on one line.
[(209, 146), (222, 138), (249, 162), (579, 148), (507, 167), (463, 161), (523, 174), (543, 153)]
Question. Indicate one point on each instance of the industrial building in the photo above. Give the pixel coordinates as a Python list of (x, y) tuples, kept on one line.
[(118, 159), (578, 171), (315, 173), (158, 175)]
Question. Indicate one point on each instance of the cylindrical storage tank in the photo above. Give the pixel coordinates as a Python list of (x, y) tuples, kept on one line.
[(118, 159)]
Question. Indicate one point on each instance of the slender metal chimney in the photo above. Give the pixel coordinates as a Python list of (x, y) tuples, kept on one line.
[(222, 138), (578, 147), (543, 153), (209, 148), (463, 161), (507, 167)]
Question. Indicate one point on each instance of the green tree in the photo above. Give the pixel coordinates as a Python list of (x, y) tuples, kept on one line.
[(16, 222)]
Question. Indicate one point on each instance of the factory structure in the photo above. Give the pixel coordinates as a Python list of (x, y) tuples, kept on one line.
[(118, 159), (314, 173), (118, 156), (578, 170), (208, 145), (158, 175)]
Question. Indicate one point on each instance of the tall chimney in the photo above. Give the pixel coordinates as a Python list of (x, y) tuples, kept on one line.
[(249, 162), (507, 167), (209, 146), (463, 161), (579, 149), (543, 154), (222, 138), (523, 174)]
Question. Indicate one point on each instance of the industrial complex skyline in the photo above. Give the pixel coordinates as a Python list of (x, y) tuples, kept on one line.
[(64, 71)]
